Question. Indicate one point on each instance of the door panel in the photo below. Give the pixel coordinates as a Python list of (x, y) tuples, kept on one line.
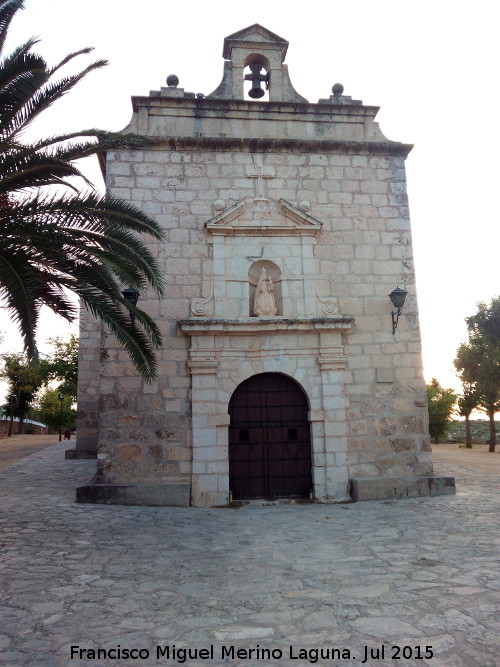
[(269, 439)]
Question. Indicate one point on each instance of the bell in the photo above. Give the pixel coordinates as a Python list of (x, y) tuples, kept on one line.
[(256, 91), (256, 78)]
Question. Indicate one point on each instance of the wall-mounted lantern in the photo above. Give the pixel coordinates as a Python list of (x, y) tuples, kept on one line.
[(397, 296), (132, 296)]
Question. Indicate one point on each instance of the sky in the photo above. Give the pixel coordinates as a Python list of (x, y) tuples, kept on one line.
[(432, 67)]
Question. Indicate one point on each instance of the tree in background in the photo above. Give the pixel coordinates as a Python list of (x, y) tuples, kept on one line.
[(478, 361), (24, 379), (468, 402), (55, 241), (486, 322), (440, 403), (62, 366), (48, 410)]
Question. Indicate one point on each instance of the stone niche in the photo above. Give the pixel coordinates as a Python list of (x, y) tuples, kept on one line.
[(273, 272), (309, 200)]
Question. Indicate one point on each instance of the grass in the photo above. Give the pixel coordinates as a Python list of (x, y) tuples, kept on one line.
[(480, 430)]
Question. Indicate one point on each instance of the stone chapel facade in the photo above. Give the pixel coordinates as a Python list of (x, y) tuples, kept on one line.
[(287, 227)]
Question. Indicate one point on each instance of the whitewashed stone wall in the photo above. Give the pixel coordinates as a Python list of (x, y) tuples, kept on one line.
[(361, 253), (331, 214)]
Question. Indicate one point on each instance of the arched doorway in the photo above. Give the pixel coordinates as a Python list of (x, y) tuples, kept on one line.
[(269, 439)]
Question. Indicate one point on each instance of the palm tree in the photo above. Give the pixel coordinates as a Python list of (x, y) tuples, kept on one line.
[(59, 240)]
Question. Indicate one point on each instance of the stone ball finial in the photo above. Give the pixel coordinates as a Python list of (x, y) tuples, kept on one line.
[(337, 89), (305, 206), (172, 81), (219, 204)]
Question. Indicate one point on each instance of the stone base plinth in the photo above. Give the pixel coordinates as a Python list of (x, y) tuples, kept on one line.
[(153, 495), (377, 488), (79, 454), (85, 448)]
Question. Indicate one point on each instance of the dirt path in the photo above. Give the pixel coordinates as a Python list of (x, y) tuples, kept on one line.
[(18, 446), (477, 458)]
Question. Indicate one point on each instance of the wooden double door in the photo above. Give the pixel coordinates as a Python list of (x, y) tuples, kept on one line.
[(269, 439)]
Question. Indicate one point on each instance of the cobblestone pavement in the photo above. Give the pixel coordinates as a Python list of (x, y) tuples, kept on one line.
[(356, 578)]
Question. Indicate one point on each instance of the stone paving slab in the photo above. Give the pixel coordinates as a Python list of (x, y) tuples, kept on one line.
[(353, 579)]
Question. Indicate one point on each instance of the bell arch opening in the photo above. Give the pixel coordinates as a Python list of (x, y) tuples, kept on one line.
[(256, 77)]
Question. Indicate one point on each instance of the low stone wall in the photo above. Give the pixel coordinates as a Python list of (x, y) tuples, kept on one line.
[(30, 428)]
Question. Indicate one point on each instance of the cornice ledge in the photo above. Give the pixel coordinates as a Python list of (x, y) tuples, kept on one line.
[(249, 325), (332, 362), (267, 145), (202, 366), (254, 107)]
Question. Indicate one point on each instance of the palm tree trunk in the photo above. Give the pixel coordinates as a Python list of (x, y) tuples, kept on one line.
[(20, 425), (468, 435), (11, 424), (493, 433)]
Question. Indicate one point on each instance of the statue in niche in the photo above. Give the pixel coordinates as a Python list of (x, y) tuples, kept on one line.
[(264, 304)]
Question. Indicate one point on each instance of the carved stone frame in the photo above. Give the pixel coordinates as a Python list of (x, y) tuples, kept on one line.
[(220, 358), (286, 224)]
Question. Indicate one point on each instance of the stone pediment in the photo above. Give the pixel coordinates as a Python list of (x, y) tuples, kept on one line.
[(263, 217), (254, 34)]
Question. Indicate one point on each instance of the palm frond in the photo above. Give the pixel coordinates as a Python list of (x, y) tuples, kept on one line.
[(22, 75), (70, 56), (45, 97), (138, 345), (20, 61), (22, 170), (102, 141), (94, 223), (80, 242), (16, 291), (105, 213), (105, 142), (55, 297), (8, 9)]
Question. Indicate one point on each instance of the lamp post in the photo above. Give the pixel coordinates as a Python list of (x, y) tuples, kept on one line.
[(132, 296), (11, 424), (397, 296), (61, 398)]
